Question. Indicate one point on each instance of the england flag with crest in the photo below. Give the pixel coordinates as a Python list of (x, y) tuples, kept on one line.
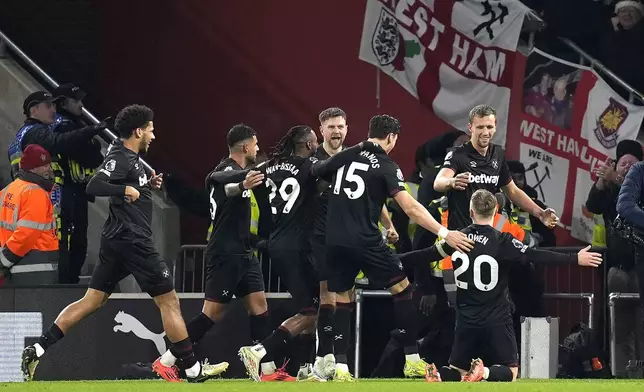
[(451, 55)]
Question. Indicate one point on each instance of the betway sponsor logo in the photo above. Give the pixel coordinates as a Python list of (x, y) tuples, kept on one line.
[(484, 179)]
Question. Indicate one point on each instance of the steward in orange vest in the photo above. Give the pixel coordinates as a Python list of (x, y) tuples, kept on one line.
[(27, 224)]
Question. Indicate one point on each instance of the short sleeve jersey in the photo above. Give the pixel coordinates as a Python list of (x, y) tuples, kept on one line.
[(123, 166), (292, 197), (358, 192), (489, 172)]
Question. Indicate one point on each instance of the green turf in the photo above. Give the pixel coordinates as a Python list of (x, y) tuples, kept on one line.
[(359, 386)]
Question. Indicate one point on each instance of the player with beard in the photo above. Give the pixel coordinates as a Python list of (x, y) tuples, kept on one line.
[(480, 164), (484, 327), (354, 242), (291, 175), (231, 266), (127, 247), (333, 128)]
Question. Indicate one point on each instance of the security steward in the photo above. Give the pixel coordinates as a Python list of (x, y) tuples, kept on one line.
[(29, 254), (41, 114), (77, 168)]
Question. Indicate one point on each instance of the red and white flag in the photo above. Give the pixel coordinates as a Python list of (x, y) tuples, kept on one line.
[(571, 120), (451, 55)]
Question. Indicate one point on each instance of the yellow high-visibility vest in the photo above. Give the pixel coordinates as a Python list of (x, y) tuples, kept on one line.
[(599, 231), (254, 218)]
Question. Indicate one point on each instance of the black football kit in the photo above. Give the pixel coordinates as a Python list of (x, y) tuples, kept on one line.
[(292, 182), (354, 242), (126, 240), (489, 172), (231, 266), (484, 327), (318, 238)]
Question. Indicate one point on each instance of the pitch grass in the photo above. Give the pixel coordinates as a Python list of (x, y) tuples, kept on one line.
[(393, 385)]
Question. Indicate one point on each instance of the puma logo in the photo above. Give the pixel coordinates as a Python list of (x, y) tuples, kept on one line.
[(127, 323)]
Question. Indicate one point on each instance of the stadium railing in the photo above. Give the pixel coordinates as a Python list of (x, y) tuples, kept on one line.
[(535, 23), (7, 45), (613, 298)]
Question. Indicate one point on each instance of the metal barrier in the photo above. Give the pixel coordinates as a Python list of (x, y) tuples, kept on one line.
[(612, 299), (8, 45), (190, 271), (538, 23), (362, 294)]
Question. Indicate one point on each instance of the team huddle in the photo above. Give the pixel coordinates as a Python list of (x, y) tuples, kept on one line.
[(327, 202)]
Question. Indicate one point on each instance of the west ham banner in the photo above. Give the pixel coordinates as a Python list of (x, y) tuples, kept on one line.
[(570, 121), (451, 55)]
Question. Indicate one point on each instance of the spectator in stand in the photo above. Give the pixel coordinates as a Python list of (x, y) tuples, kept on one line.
[(537, 99), (560, 105), (622, 275), (622, 47), (77, 167)]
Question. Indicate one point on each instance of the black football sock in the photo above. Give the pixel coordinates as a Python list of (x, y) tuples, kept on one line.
[(449, 374), (183, 350), (259, 327), (276, 341), (325, 330), (198, 327), (342, 331), (53, 335), (499, 373), (406, 320), (305, 349)]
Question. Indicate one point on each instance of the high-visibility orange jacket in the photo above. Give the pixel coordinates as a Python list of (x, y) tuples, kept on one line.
[(27, 221)]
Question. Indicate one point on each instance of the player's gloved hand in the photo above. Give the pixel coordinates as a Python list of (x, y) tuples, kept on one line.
[(392, 236), (459, 241), (156, 181), (253, 179), (426, 304), (370, 146), (460, 181), (589, 259), (548, 217), (131, 194)]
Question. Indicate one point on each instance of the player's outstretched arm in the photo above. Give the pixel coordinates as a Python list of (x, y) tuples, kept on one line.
[(253, 179), (225, 177), (584, 258), (418, 257), (420, 215), (519, 197), (331, 165)]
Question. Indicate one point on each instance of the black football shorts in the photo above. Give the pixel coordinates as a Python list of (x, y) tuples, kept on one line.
[(228, 275), (295, 268), (379, 263), (318, 246), (495, 345), (119, 258)]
